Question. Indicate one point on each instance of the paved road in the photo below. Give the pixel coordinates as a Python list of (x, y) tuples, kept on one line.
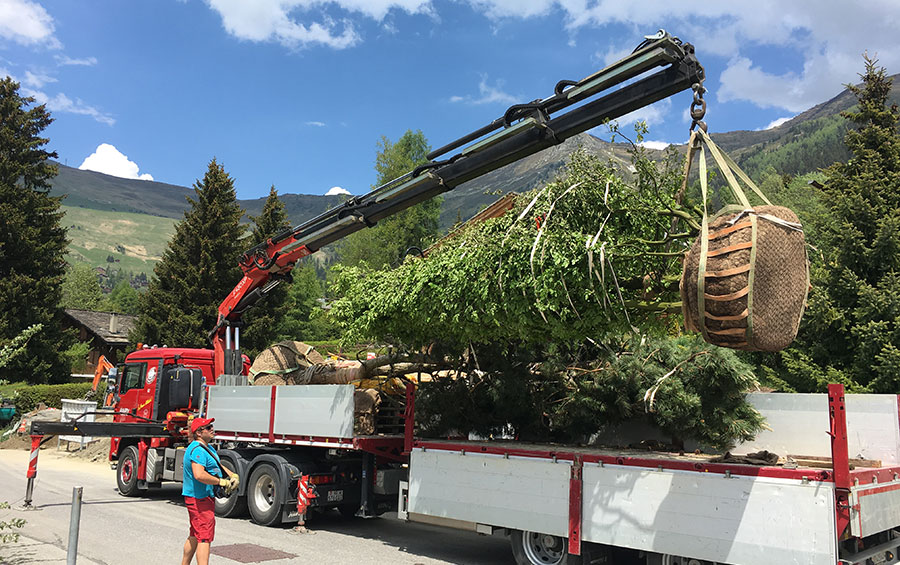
[(137, 531)]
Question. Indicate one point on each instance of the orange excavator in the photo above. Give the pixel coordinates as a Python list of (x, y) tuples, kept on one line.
[(103, 367)]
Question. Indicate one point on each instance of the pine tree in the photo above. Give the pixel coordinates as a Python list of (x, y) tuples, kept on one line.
[(852, 328), (263, 320), (198, 268), (388, 241), (32, 241)]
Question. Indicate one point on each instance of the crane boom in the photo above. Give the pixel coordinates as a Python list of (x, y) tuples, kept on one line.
[(524, 129)]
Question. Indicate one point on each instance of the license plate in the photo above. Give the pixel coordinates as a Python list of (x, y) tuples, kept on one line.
[(335, 496)]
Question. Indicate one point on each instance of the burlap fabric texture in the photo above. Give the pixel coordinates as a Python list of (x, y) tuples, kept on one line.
[(751, 306), (745, 279)]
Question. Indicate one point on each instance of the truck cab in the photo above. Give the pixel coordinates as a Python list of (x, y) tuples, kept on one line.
[(161, 384)]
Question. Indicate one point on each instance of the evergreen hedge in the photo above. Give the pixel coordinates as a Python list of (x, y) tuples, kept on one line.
[(51, 395)]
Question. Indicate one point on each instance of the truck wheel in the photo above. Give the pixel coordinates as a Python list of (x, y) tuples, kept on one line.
[(264, 495), (533, 548), (234, 505), (127, 470)]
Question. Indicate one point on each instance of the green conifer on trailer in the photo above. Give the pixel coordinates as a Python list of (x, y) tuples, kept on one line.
[(32, 241), (852, 326), (198, 268), (261, 322)]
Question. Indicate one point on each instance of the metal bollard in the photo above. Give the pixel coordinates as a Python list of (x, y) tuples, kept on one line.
[(74, 523)]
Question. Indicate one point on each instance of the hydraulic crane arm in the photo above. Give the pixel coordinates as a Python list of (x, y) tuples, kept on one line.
[(524, 129)]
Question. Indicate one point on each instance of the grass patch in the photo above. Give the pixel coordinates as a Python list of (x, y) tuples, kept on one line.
[(135, 241)]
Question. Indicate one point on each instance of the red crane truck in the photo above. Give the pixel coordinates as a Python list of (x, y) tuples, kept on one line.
[(296, 446)]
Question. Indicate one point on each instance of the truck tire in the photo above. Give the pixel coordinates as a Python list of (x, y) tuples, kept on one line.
[(235, 505), (127, 471), (264, 495), (533, 548)]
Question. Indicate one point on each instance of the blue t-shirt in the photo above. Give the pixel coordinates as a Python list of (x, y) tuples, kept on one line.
[(191, 486)]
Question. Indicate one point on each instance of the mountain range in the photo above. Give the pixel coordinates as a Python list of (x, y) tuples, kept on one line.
[(146, 209)]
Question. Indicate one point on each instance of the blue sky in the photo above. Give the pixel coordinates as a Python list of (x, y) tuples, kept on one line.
[(296, 93)]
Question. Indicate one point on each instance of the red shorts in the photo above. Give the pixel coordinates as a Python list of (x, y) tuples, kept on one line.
[(201, 512)]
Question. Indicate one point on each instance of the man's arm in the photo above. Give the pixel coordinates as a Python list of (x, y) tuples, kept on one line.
[(202, 475)]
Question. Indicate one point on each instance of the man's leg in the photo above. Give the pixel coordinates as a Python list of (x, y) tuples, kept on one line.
[(190, 547), (203, 553)]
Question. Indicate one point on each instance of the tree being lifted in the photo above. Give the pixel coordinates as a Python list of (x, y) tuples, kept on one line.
[(555, 316)]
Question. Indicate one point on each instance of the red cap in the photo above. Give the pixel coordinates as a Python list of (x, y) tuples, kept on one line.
[(198, 423)]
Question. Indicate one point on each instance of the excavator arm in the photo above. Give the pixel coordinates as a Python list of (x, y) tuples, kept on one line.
[(524, 129)]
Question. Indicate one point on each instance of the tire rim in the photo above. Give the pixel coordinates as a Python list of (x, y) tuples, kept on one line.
[(543, 549), (127, 470), (264, 493)]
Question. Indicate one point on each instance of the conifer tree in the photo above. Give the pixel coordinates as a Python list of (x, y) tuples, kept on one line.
[(32, 241), (198, 268), (263, 320), (852, 328), (388, 241)]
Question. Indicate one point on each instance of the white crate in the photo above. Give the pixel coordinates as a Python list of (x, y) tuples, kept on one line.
[(72, 409)]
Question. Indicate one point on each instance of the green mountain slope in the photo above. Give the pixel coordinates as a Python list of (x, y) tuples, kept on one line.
[(124, 240)]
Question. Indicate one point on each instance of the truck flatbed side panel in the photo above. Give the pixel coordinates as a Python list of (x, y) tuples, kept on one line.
[(306, 410), (875, 507), (724, 519), (244, 408), (315, 410), (799, 426), (525, 494)]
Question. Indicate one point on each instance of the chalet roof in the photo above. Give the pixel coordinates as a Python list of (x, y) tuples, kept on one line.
[(99, 323)]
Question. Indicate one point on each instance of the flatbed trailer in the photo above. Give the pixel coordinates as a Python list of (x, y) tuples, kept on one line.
[(566, 504), (558, 502)]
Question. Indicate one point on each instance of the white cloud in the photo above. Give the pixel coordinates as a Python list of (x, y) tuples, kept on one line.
[(659, 145), (335, 190), (66, 60), (775, 123), (487, 94), (108, 160), (37, 80), (62, 103), (27, 23), (288, 22), (653, 114), (316, 124), (828, 36)]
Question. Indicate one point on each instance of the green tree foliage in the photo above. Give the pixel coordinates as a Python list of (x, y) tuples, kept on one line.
[(685, 387), (81, 289), (568, 261), (198, 268), (558, 315), (32, 241), (304, 318), (263, 320), (17, 345), (8, 533), (124, 299), (813, 145), (388, 241), (851, 332)]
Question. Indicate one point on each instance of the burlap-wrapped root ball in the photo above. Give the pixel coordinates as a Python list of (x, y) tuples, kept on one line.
[(755, 291)]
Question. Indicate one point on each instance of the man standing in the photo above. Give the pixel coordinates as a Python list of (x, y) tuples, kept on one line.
[(201, 473)]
